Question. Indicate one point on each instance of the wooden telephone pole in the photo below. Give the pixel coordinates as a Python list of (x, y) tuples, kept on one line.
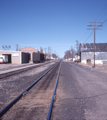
[(95, 28)]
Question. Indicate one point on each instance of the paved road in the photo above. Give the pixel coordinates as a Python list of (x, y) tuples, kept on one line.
[(81, 94)]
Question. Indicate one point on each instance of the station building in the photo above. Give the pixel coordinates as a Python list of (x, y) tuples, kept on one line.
[(16, 56)]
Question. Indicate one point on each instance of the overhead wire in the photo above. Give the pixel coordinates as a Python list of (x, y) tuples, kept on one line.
[(89, 36), (101, 12), (83, 35), (102, 23), (98, 25), (93, 30)]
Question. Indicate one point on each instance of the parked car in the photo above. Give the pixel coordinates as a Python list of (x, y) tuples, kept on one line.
[(3, 58), (77, 61)]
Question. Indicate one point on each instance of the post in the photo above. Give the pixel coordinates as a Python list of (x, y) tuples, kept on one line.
[(94, 42), (94, 35)]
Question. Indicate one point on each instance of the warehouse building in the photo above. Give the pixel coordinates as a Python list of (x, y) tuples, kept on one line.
[(29, 50), (16, 56), (86, 52)]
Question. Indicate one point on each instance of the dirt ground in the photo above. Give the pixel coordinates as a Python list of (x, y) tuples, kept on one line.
[(98, 67), (9, 66), (35, 104)]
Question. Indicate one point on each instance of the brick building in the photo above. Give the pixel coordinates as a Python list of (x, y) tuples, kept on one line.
[(29, 50)]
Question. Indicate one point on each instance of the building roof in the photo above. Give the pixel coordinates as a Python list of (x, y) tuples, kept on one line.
[(89, 47), (29, 49)]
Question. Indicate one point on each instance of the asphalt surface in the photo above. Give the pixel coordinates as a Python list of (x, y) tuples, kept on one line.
[(81, 94)]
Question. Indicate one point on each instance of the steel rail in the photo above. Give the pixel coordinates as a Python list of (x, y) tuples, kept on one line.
[(4, 75), (25, 65), (52, 100), (7, 107)]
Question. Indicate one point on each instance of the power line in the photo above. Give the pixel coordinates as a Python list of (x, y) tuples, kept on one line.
[(93, 30), (101, 12), (89, 36), (102, 23), (84, 35), (94, 20)]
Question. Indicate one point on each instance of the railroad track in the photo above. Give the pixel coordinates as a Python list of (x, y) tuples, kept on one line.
[(20, 69), (47, 80), (21, 65)]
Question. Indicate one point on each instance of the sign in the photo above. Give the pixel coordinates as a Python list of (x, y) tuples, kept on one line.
[(15, 54)]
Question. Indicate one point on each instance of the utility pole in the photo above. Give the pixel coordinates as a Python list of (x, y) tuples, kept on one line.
[(45, 53), (45, 50), (94, 33), (49, 52), (77, 45), (77, 49), (6, 47), (16, 47), (72, 52)]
